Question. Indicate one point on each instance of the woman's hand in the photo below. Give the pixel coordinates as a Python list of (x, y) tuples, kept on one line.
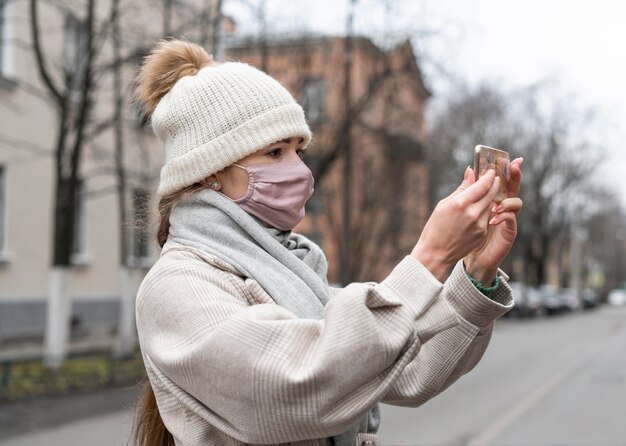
[(458, 225), (483, 262)]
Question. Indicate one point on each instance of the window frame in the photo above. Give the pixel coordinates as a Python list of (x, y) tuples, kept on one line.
[(7, 46), (313, 94), (75, 49), (5, 255), (79, 256), (3, 203)]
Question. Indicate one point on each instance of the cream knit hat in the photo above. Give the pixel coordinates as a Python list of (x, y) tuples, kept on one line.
[(212, 119)]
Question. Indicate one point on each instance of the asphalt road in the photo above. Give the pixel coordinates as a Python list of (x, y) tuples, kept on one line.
[(557, 381), (551, 382)]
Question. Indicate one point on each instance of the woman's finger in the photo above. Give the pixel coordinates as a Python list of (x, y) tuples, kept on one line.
[(506, 217), (514, 204), (515, 176), (470, 175), (486, 200), (475, 192)]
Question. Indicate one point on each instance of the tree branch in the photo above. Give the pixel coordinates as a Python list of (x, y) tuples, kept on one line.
[(41, 65)]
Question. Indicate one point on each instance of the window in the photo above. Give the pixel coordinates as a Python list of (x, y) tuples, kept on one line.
[(313, 91), (2, 209), (75, 38), (80, 223), (3, 38), (6, 40), (140, 234)]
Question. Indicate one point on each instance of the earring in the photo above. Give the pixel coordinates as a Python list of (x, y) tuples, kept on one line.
[(215, 185)]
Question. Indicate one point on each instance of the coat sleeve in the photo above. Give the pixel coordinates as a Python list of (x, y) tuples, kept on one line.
[(261, 375), (452, 353)]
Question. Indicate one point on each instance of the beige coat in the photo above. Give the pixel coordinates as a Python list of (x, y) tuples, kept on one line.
[(230, 367)]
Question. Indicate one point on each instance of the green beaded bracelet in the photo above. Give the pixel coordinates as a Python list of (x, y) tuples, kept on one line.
[(482, 289)]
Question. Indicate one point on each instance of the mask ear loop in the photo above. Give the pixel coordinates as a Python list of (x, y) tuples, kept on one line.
[(224, 195)]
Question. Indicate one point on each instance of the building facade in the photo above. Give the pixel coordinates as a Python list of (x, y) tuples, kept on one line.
[(30, 128)]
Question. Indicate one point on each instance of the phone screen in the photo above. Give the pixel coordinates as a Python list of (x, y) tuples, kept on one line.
[(486, 158)]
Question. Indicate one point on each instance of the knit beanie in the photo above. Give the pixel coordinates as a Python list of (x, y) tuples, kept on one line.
[(208, 115)]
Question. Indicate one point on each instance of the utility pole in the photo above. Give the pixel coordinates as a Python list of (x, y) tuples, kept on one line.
[(347, 156)]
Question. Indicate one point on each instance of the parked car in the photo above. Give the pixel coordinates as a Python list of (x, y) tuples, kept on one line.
[(617, 297), (590, 298), (535, 303), (519, 292), (569, 299), (527, 302), (551, 300)]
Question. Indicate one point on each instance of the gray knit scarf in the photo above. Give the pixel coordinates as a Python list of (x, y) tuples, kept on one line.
[(291, 268)]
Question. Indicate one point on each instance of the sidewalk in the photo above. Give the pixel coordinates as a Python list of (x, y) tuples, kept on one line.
[(99, 418), (84, 417), (106, 430)]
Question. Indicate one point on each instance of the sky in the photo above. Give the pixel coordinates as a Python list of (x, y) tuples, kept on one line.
[(513, 42)]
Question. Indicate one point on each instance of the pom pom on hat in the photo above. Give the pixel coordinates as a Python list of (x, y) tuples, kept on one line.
[(211, 115), (165, 64)]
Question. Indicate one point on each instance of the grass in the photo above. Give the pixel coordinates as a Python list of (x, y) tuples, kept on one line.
[(28, 379)]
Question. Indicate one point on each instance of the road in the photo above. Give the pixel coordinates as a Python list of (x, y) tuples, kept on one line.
[(557, 381)]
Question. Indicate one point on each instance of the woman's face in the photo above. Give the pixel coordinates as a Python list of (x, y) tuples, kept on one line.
[(234, 180)]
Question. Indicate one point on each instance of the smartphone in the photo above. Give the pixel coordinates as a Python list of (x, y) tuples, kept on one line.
[(486, 158)]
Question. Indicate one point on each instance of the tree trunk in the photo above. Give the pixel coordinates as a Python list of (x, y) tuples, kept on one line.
[(58, 317), (346, 270), (72, 122), (59, 303)]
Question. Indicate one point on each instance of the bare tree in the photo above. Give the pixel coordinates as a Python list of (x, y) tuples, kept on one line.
[(605, 243), (534, 123), (95, 58), (72, 95)]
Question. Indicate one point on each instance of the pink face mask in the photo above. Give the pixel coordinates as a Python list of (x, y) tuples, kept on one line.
[(277, 193)]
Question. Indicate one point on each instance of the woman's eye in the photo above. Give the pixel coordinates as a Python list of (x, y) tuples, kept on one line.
[(274, 153)]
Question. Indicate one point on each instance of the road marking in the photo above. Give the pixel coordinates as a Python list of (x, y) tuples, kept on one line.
[(496, 428)]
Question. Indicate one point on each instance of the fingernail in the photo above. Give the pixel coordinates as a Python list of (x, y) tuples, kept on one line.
[(497, 208), (494, 220), (466, 173)]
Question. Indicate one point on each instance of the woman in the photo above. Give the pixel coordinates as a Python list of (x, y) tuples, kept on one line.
[(242, 339)]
